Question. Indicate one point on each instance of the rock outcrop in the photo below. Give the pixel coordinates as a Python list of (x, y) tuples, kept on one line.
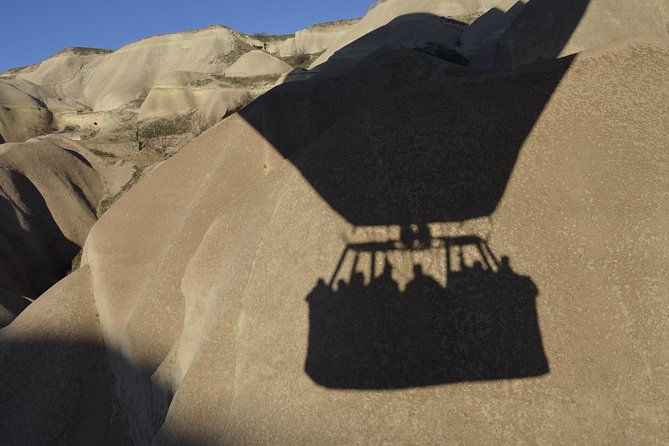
[(63, 75), (214, 102), (22, 116), (361, 39), (224, 299), (407, 253), (315, 39), (554, 28), (257, 63), (48, 196)]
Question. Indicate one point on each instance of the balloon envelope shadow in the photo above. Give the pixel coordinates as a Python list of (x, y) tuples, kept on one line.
[(482, 325)]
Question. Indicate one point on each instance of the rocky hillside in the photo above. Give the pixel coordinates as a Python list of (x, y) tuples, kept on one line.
[(48, 197), (87, 92), (399, 248)]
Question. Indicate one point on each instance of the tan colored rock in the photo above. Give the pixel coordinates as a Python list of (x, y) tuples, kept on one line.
[(216, 279), (479, 41), (387, 11), (316, 38), (169, 59), (54, 352), (417, 31), (21, 115), (555, 28), (213, 101), (257, 63), (48, 197), (62, 75), (11, 305), (206, 291)]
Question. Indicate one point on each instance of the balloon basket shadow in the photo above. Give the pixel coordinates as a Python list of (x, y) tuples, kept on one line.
[(480, 323)]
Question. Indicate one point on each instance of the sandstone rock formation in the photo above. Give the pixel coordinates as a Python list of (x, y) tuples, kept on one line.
[(11, 305), (21, 116), (257, 63), (213, 101), (48, 196), (100, 93), (315, 39), (410, 252), (405, 12), (56, 348), (555, 28), (63, 74), (479, 41)]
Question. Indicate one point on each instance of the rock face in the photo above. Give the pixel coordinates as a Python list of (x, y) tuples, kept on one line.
[(480, 40), (407, 253), (55, 348), (63, 74), (168, 59), (554, 28), (212, 101), (11, 305), (102, 80), (21, 115), (490, 26), (100, 93), (48, 196), (316, 38), (405, 11), (228, 291), (257, 63), (234, 293)]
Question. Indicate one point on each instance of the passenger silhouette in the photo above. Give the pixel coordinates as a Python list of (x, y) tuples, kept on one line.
[(505, 265), (384, 285), (357, 281), (341, 286), (422, 286)]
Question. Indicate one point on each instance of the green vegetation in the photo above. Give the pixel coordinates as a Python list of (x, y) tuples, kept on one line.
[(465, 20), (245, 82), (301, 59), (335, 23), (198, 123), (83, 51), (109, 201), (174, 125), (160, 135), (268, 38), (42, 127), (231, 57), (18, 69), (76, 261), (102, 154)]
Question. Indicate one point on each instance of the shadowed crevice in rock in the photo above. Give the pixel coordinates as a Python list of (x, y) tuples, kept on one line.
[(34, 236), (69, 394)]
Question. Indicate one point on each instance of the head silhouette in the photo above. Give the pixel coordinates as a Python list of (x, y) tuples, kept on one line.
[(505, 264), (357, 279)]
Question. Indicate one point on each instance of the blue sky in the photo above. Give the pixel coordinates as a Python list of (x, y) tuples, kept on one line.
[(32, 30)]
